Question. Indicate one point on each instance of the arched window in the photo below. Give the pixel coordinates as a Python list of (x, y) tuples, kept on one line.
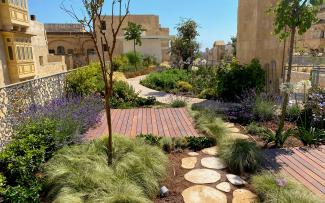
[(60, 50)]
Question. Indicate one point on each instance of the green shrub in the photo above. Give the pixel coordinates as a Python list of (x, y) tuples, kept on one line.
[(165, 80), (119, 62), (269, 190), (149, 60), (124, 96), (184, 86), (231, 77), (134, 58), (150, 139), (240, 155), (311, 136), (198, 143), (293, 113), (263, 110), (256, 129), (208, 93), (166, 144), (85, 81), (81, 172), (34, 142), (178, 103)]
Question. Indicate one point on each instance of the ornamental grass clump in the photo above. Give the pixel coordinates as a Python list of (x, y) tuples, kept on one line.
[(81, 174), (240, 155), (276, 188)]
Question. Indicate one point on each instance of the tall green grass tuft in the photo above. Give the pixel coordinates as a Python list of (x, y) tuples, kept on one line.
[(81, 174), (240, 155), (269, 190)]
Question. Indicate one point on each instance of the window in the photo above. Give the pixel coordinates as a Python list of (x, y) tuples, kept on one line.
[(70, 51), (11, 53), (52, 51), (41, 60), (103, 25), (322, 34), (19, 53), (31, 52), (60, 50), (105, 47)]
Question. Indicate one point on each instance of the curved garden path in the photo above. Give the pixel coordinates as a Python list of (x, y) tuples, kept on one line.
[(167, 98)]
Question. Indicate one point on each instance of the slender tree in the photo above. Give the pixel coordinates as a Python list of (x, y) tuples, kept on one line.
[(92, 21), (185, 47), (292, 16), (133, 32)]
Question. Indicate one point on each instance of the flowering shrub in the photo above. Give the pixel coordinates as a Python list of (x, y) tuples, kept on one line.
[(83, 111)]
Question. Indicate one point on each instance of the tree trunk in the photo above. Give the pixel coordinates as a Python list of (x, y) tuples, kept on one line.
[(109, 121), (135, 53), (286, 95)]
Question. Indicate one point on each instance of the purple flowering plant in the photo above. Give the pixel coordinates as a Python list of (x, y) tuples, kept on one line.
[(83, 111)]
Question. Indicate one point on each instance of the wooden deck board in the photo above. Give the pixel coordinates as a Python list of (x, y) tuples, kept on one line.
[(170, 122), (304, 164)]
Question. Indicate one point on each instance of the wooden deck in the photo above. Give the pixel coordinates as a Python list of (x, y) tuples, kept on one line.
[(170, 122), (306, 165)]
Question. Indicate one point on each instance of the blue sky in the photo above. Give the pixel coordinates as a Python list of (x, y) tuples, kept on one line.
[(217, 18)]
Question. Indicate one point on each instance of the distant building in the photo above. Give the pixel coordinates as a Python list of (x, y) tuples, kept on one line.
[(72, 41), (216, 53), (23, 45)]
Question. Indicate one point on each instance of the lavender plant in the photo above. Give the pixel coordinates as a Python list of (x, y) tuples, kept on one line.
[(83, 111)]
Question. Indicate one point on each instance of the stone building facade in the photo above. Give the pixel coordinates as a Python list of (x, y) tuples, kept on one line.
[(255, 40), (23, 45), (72, 41), (216, 53)]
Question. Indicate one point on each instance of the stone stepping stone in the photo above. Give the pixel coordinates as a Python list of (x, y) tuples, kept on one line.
[(213, 163), (211, 151), (239, 136), (203, 194), (193, 154), (235, 180), (189, 162), (242, 196), (224, 186), (233, 130), (229, 125), (202, 176)]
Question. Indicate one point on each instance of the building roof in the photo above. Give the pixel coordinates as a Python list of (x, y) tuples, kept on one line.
[(64, 27), (219, 43)]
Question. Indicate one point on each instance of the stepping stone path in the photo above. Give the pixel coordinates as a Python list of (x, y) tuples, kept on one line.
[(239, 136), (233, 130), (203, 194), (193, 154), (189, 163), (209, 173), (229, 125), (224, 186), (202, 176), (242, 195), (213, 163), (235, 180), (211, 151)]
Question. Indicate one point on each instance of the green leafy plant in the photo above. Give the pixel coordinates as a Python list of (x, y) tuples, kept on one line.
[(134, 58), (120, 61), (150, 139), (275, 188), (167, 144), (149, 61), (178, 103), (34, 143), (293, 113), (85, 81), (311, 136), (184, 86), (198, 143), (81, 172), (256, 129), (263, 110), (240, 155)]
